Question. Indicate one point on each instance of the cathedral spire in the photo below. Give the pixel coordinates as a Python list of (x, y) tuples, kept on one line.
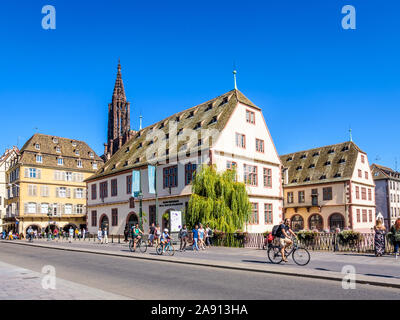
[(119, 91)]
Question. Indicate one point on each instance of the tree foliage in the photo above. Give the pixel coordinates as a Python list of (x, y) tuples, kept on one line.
[(217, 199)]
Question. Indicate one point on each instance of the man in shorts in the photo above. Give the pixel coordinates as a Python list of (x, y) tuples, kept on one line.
[(284, 237)]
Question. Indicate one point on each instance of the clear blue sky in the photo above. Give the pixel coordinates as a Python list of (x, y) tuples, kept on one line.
[(312, 79)]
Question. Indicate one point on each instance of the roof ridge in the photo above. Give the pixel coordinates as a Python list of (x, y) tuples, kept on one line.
[(308, 150)]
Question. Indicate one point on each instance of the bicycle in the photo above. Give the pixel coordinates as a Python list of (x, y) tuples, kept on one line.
[(300, 255), (140, 244), (169, 248)]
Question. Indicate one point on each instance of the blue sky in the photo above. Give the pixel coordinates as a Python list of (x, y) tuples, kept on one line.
[(312, 78)]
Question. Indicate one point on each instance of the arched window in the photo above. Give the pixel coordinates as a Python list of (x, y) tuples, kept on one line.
[(132, 220), (336, 220), (316, 222), (104, 222), (297, 223)]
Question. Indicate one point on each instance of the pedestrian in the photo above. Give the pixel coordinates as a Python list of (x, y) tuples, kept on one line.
[(84, 233), (105, 236), (183, 236), (158, 234), (209, 235), (71, 234), (126, 233), (379, 238), (76, 233), (201, 237), (152, 231), (99, 235), (195, 237), (395, 234), (56, 234)]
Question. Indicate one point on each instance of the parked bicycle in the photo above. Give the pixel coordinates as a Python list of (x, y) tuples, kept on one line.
[(300, 255), (140, 244), (169, 248)]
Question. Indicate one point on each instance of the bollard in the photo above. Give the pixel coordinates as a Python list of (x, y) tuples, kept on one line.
[(119, 239), (112, 238)]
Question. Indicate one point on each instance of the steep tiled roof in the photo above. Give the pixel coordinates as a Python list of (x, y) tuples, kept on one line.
[(380, 172), (68, 151), (321, 165), (213, 114)]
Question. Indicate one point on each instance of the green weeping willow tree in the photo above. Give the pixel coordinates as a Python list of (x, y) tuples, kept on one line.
[(217, 199)]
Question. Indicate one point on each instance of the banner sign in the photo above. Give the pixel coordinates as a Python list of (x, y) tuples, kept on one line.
[(135, 183), (152, 178), (176, 220)]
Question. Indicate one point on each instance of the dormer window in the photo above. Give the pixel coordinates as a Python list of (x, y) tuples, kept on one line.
[(138, 134), (60, 161), (166, 136), (197, 126), (178, 118), (311, 166), (315, 154), (289, 159), (39, 158), (55, 140), (79, 163), (137, 160), (299, 168), (303, 156), (139, 146), (225, 100), (342, 161), (191, 114), (213, 120), (114, 166), (58, 149), (151, 142), (209, 107), (345, 148), (73, 143), (161, 125), (37, 146), (294, 181), (180, 131), (328, 163), (337, 175), (94, 165), (127, 150), (307, 179), (331, 151), (322, 177), (77, 152)]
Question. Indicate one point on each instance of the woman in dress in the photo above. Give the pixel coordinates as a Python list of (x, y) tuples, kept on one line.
[(380, 231)]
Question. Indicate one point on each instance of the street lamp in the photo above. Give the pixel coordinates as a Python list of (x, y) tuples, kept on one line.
[(140, 197)]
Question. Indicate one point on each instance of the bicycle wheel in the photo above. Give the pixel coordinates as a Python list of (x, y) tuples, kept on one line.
[(131, 245), (274, 255), (301, 256), (159, 250), (143, 246), (170, 250)]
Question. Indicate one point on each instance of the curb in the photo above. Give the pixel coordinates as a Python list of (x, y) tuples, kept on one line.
[(334, 276)]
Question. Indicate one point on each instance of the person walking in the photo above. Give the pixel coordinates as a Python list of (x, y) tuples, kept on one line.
[(126, 233), (158, 234), (105, 236), (55, 233), (99, 235), (71, 234), (201, 237), (152, 231), (379, 238), (83, 233), (395, 234), (76, 233), (209, 235), (195, 237), (183, 236)]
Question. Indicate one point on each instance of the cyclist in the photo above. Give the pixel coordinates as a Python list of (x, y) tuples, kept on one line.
[(165, 237), (30, 233), (285, 240), (136, 235)]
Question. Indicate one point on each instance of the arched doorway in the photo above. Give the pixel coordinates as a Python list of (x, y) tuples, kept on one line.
[(132, 220), (336, 220), (52, 228), (103, 224), (68, 226), (316, 222), (34, 228), (297, 223), (165, 220)]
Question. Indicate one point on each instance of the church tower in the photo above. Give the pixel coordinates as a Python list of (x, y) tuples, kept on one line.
[(119, 129)]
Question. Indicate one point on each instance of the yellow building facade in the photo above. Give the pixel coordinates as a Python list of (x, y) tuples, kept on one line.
[(45, 184)]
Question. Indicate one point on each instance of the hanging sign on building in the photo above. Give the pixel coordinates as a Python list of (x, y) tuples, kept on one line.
[(135, 183), (176, 220), (152, 179)]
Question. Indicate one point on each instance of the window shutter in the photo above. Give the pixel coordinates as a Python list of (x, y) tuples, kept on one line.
[(68, 192), (38, 208), (74, 208), (39, 173), (74, 177), (57, 192), (25, 208), (26, 173), (62, 211), (63, 176), (84, 209), (35, 191), (84, 193)]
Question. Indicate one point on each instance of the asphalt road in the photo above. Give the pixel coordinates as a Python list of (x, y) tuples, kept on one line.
[(139, 279)]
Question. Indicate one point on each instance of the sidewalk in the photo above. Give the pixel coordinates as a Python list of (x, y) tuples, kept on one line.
[(324, 265), (23, 284)]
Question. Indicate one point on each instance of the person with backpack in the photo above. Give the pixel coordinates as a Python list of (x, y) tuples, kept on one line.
[(283, 233), (209, 235), (395, 237), (183, 236)]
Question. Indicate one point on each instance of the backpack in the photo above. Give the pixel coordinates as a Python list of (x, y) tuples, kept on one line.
[(210, 232), (276, 231)]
